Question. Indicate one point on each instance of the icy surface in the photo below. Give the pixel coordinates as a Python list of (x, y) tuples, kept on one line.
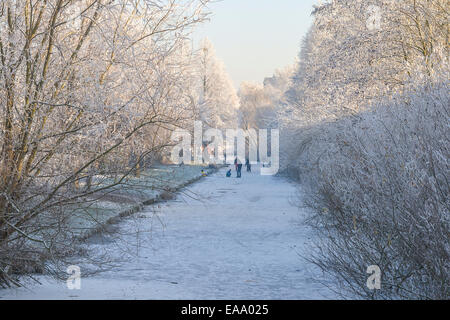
[(223, 238)]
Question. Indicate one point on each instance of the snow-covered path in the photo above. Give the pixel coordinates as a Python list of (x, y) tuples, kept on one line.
[(241, 240)]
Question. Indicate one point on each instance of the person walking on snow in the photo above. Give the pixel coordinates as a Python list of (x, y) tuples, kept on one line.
[(239, 170), (248, 165), (238, 165)]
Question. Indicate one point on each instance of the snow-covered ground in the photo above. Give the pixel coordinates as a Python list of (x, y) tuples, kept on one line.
[(224, 238)]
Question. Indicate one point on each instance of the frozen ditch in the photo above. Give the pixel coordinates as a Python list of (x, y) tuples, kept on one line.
[(223, 238)]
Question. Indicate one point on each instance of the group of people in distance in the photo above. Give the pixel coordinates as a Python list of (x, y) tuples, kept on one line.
[(238, 167)]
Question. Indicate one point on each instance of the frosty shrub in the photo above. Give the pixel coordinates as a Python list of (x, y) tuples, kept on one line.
[(380, 190), (365, 130)]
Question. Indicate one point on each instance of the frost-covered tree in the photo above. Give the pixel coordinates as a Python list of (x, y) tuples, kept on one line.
[(88, 90), (252, 98), (218, 101), (259, 102), (364, 131)]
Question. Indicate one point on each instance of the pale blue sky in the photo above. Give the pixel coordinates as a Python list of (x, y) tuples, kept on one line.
[(255, 37)]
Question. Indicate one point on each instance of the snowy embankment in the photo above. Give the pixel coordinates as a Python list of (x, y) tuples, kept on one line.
[(131, 196), (224, 238)]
